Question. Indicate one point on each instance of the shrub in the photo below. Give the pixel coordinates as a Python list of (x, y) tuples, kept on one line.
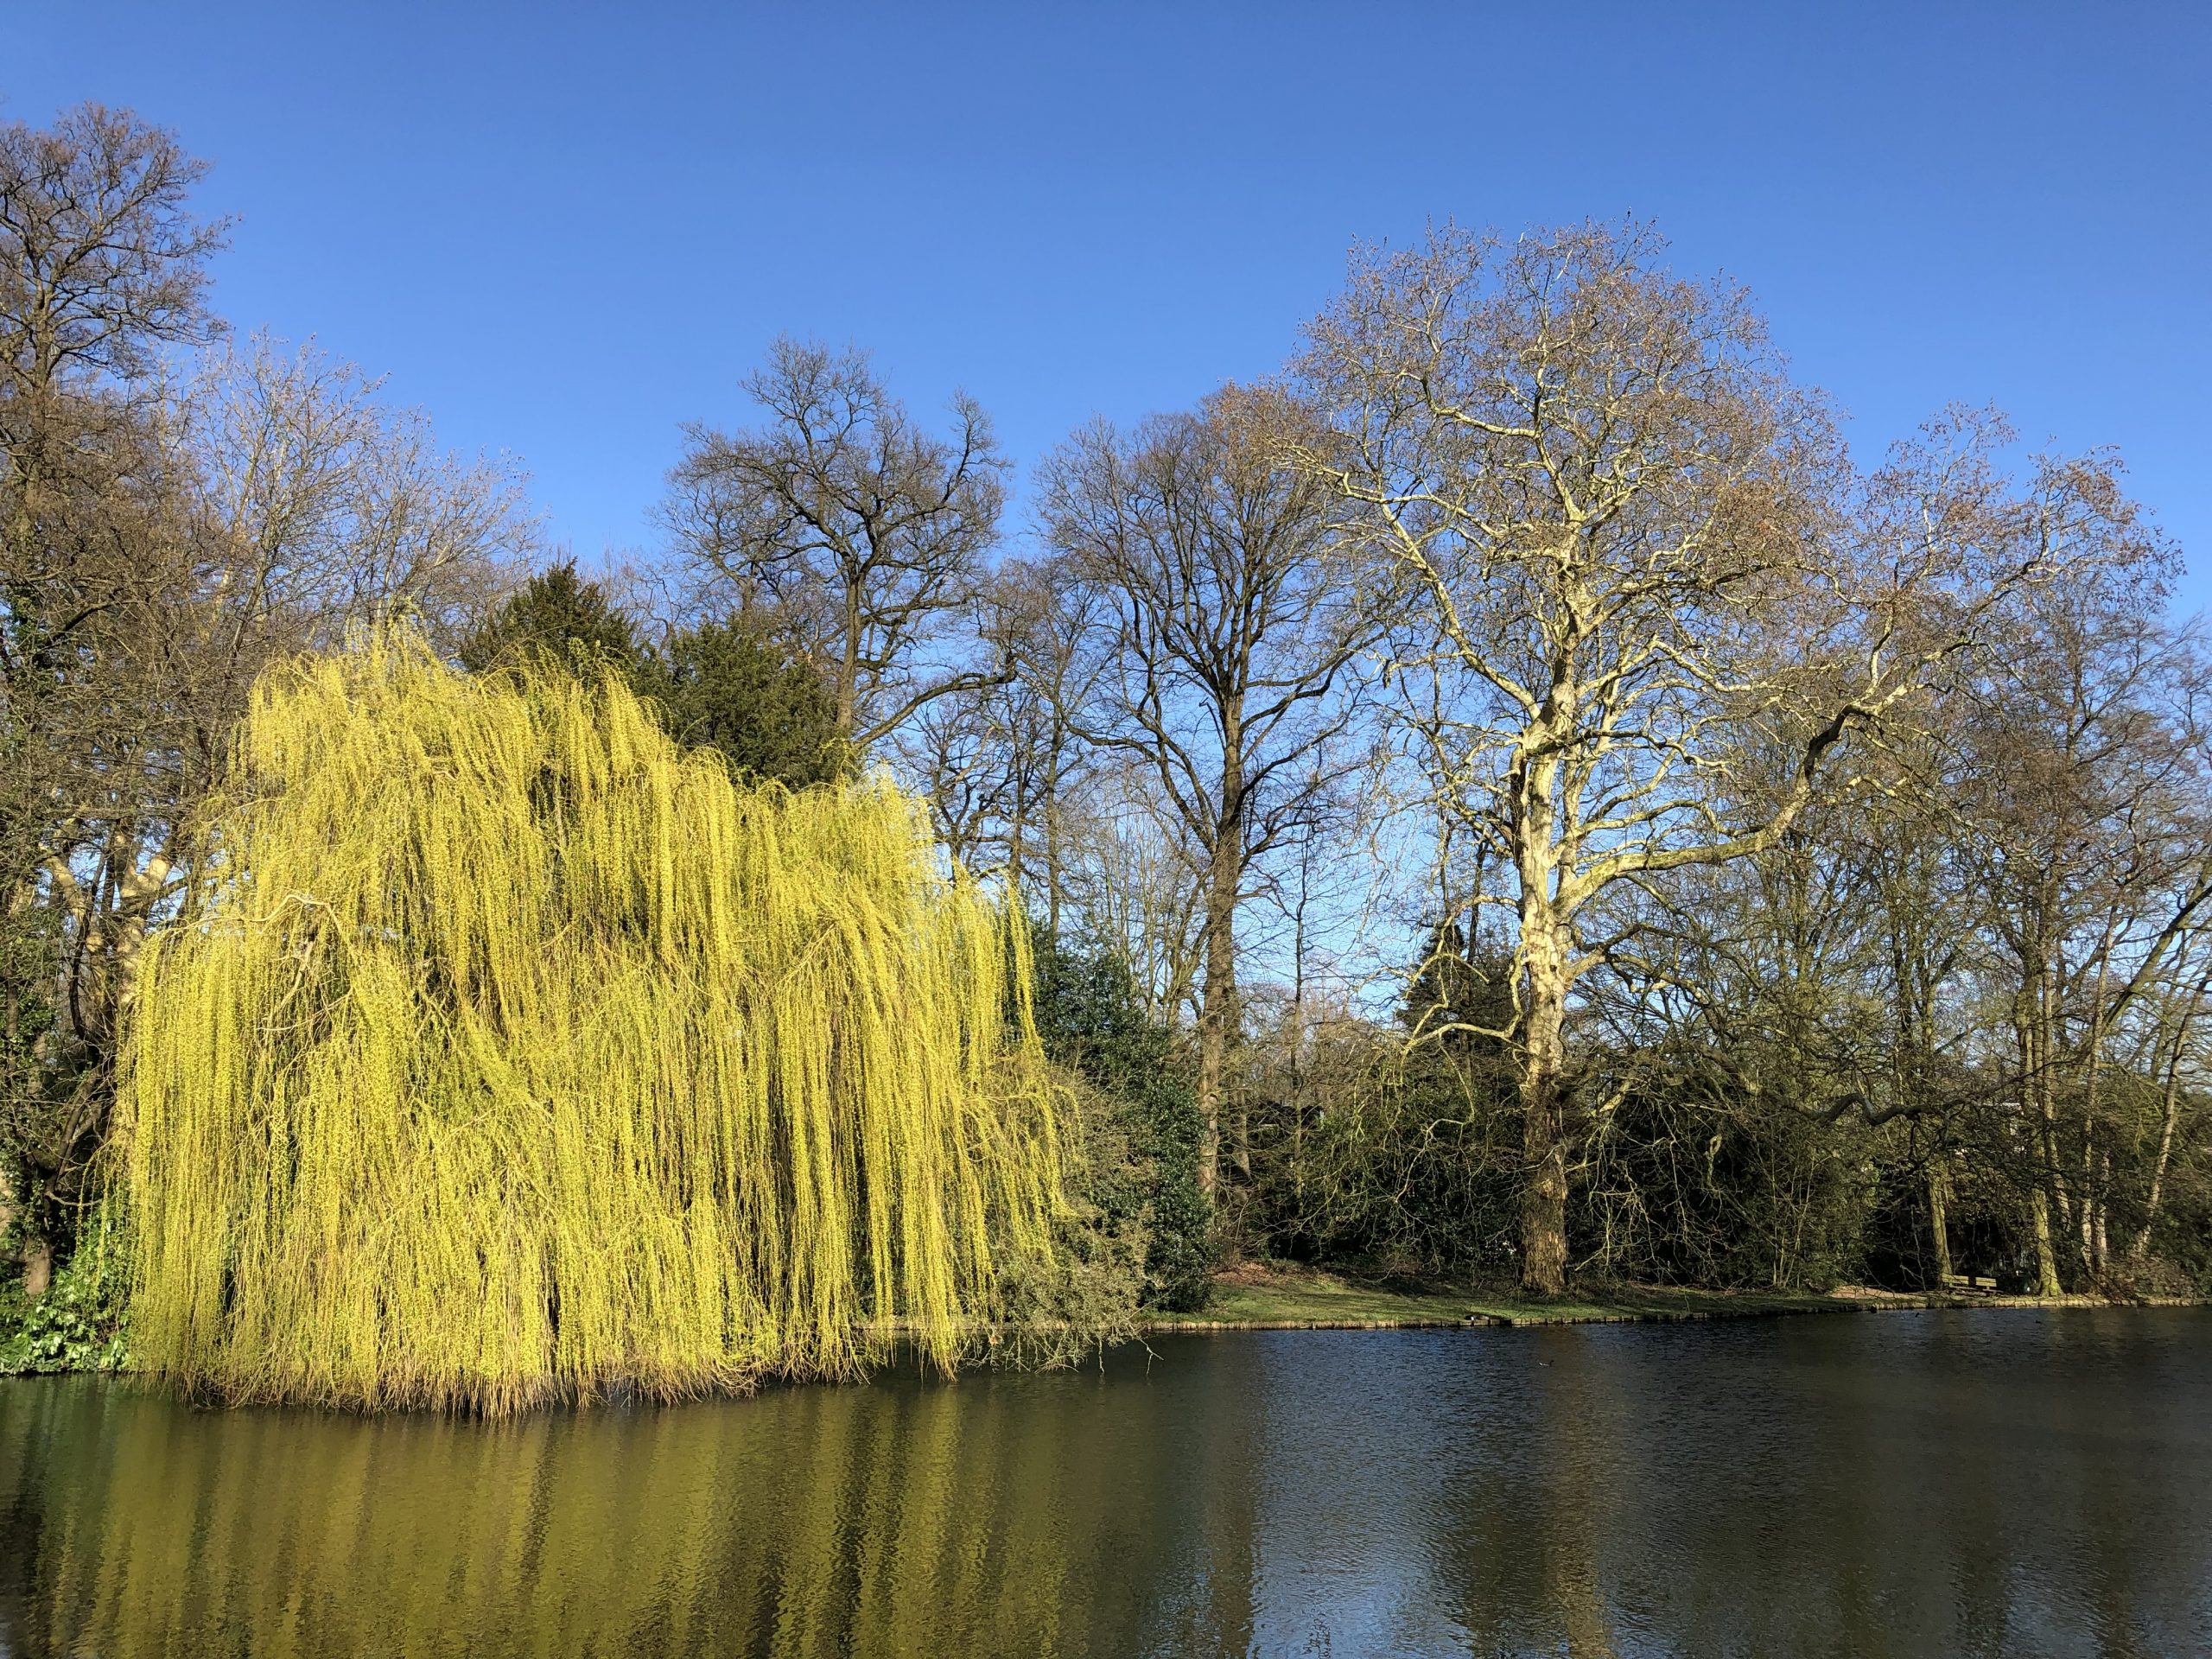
[(79, 1324), (1143, 1117)]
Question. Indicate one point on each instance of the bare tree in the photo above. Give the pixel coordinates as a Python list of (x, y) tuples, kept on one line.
[(1228, 635), (2083, 759), (1002, 758), (1041, 618), (963, 751), (1132, 884), (864, 532), (320, 507), (2175, 1049), (168, 529), (101, 260), (1622, 519), (102, 266)]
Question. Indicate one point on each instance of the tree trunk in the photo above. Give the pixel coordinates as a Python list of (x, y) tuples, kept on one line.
[(1052, 833), (848, 677), (2140, 1248), (2046, 1261), (1939, 1196), (1217, 1011), (2033, 1033), (1225, 875), (38, 1267), (2101, 1243), (1543, 1195), (1546, 959), (6, 1195), (2095, 1191)]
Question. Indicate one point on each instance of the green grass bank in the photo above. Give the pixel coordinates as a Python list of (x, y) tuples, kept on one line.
[(1277, 1297)]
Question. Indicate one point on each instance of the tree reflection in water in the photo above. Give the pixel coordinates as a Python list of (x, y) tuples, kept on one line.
[(1982, 1482)]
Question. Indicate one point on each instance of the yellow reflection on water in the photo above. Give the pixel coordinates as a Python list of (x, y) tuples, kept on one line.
[(916, 1520)]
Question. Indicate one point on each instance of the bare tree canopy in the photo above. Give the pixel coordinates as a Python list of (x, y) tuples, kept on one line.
[(1229, 632), (864, 531), (1631, 532), (101, 259)]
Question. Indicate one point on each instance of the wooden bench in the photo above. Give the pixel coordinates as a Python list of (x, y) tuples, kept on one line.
[(1960, 1284)]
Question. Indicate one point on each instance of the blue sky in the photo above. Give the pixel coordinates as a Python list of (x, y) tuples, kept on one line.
[(565, 230)]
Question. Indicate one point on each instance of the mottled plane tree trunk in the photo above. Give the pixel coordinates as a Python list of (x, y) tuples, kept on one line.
[(1644, 569)]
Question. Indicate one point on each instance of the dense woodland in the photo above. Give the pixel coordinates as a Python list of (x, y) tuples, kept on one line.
[(1511, 797)]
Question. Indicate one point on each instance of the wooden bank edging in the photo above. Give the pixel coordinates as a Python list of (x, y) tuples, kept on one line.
[(1667, 1316)]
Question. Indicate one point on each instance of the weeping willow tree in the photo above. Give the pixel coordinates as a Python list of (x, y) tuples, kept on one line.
[(514, 1054)]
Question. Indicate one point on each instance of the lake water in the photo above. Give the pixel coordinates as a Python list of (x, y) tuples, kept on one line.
[(1994, 1483)]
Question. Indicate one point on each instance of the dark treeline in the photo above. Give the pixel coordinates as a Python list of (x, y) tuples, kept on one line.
[(1512, 796)]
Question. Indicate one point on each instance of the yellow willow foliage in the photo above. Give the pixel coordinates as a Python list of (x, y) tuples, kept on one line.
[(515, 1054)]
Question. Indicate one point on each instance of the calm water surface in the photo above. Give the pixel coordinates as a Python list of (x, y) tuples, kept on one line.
[(1995, 1482)]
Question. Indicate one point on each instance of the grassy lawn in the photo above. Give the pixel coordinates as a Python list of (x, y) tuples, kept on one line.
[(1280, 1294)]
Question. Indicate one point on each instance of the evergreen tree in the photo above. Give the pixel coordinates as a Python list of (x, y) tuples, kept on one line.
[(736, 687), (555, 614), (1093, 1022)]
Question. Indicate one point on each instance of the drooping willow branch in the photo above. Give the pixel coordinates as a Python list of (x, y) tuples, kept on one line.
[(517, 1054)]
